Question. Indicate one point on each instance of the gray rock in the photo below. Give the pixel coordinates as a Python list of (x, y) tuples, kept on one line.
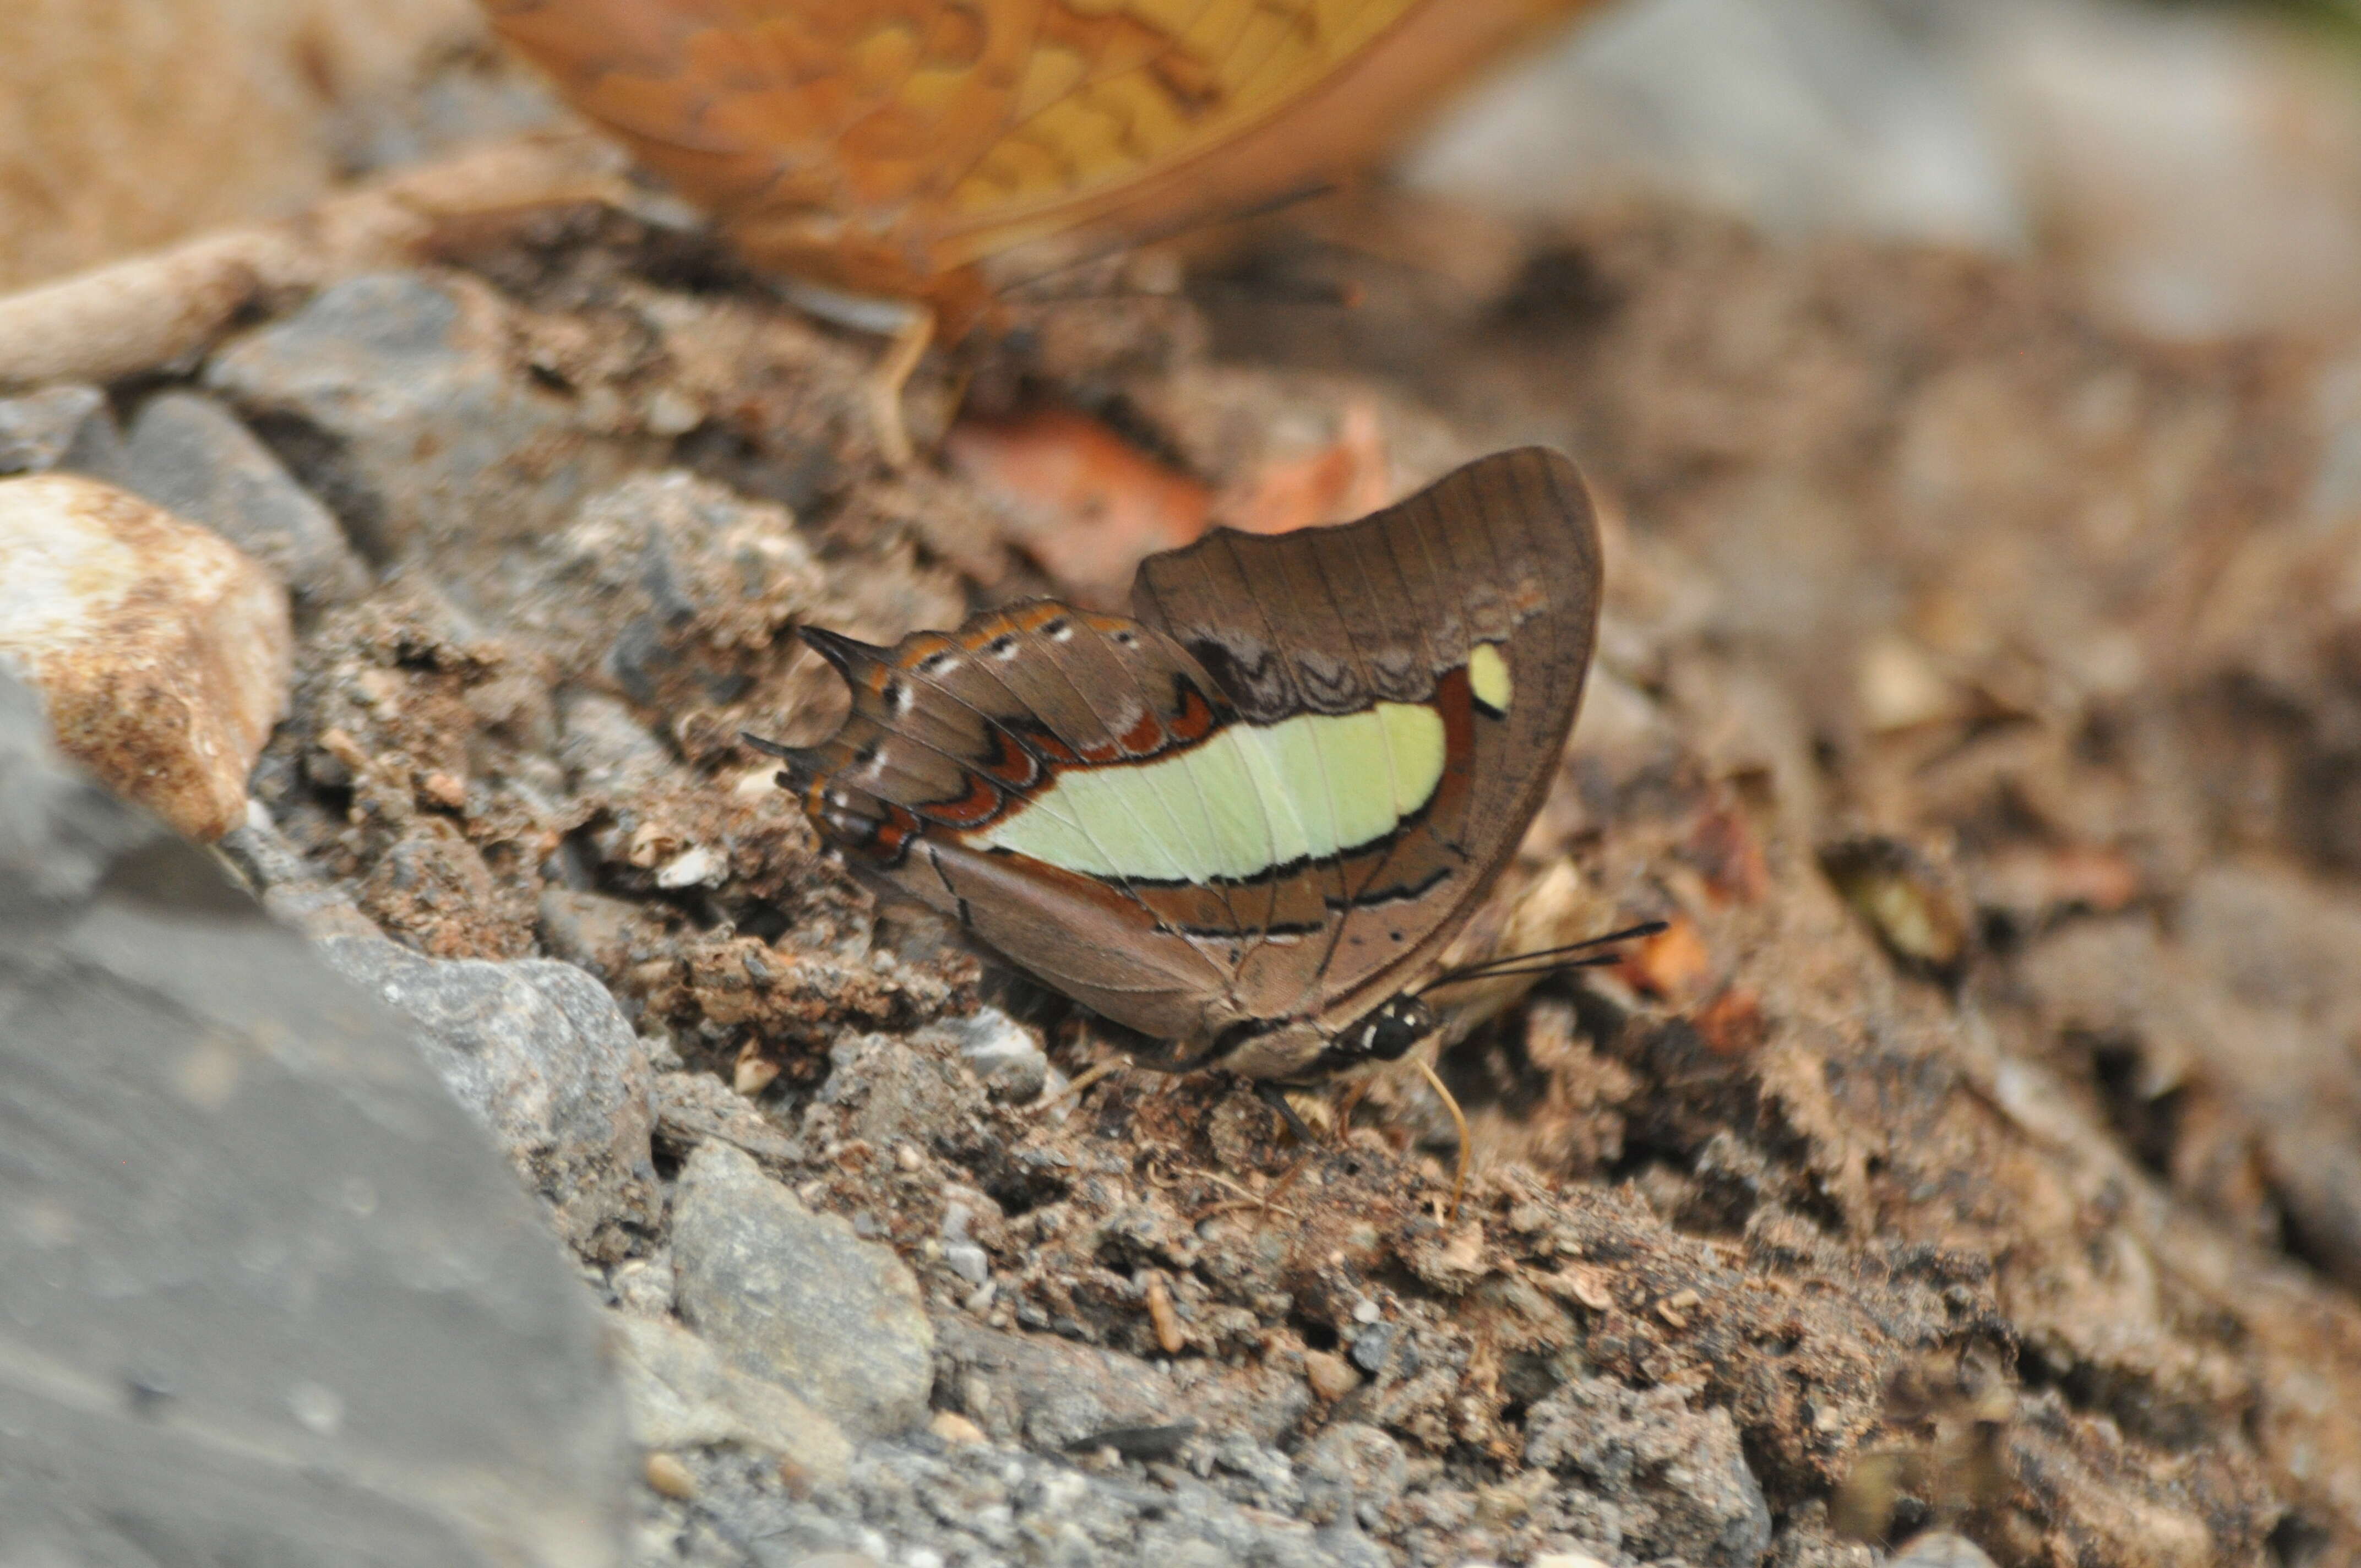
[(541, 1053), (796, 1297), (56, 427), (681, 1396), (692, 1107), (398, 401), (1675, 1478), (1044, 1391), (192, 456), (266, 1294), (968, 1261), (1363, 1463)]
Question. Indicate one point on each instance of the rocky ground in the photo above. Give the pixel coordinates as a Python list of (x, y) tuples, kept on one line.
[(1978, 700)]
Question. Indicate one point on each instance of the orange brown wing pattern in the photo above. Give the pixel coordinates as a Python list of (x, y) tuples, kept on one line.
[(883, 146)]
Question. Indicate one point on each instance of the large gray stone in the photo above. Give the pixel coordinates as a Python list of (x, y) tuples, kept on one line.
[(192, 456), (540, 1051), (267, 1294), (796, 1297)]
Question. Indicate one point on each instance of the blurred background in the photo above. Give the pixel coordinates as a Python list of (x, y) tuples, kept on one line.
[(2196, 165)]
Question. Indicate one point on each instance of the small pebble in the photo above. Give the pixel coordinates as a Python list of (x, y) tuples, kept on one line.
[(753, 1072), (670, 412), (643, 1286), (1372, 1345), (954, 1428), (1170, 1334), (162, 652), (1942, 1549), (1330, 1376), (669, 1477), (697, 867), (968, 1261), (1004, 1054)]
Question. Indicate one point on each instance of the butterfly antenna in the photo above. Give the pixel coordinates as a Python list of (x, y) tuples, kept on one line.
[(1540, 960), (1459, 1121)]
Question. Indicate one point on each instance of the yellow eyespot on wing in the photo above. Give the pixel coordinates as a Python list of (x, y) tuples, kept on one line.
[(1488, 677), (1307, 787)]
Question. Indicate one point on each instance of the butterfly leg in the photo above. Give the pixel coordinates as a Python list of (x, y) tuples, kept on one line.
[(908, 328), (1080, 1082), (886, 381)]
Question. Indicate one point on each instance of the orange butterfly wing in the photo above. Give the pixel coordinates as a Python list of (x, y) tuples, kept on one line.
[(884, 147)]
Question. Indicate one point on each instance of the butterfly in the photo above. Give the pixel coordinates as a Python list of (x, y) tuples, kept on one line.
[(878, 151), (1243, 824)]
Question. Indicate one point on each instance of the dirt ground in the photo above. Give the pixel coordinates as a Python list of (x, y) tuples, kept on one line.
[(1979, 699)]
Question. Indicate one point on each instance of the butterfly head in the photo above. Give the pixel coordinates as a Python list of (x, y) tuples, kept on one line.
[(1302, 1051), (1388, 1034)]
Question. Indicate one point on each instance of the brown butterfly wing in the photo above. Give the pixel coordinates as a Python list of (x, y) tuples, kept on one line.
[(1503, 552), (1063, 783)]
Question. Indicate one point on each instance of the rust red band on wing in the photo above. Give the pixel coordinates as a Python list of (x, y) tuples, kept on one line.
[(979, 805)]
